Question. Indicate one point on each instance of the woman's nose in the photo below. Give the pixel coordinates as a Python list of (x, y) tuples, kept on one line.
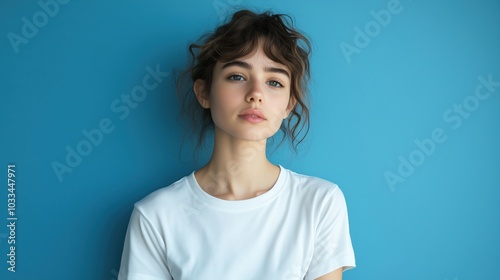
[(255, 93)]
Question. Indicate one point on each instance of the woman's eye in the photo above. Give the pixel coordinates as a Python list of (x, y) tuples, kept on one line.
[(235, 78), (275, 84)]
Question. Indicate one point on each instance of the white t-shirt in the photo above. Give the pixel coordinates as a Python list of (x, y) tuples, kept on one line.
[(297, 230)]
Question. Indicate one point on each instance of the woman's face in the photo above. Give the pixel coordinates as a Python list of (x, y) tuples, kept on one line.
[(249, 97)]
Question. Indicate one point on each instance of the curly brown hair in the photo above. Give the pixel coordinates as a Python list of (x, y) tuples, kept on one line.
[(238, 38)]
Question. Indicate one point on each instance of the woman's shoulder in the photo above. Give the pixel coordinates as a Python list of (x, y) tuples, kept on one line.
[(312, 189), (310, 182), (315, 191), (166, 197)]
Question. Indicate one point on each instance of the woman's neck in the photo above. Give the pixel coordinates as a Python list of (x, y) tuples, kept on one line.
[(237, 169)]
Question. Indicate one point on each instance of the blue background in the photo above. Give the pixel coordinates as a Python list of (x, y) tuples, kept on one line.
[(440, 221)]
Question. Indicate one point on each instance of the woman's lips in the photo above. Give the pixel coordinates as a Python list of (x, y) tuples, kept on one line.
[(252, 118), (252, 115)]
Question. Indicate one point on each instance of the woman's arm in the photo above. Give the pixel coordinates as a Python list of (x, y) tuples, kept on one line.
[(334, 275)]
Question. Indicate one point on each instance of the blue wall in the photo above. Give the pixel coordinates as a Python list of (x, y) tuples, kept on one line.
[(405, 118)]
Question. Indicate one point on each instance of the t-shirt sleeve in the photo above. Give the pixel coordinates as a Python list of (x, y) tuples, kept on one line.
[(144, 254), (332, 246)]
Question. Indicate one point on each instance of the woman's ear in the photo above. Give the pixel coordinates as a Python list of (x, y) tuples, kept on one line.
[(291, 104), (200, 90)]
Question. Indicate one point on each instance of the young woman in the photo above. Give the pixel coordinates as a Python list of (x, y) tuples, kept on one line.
[(240, 216)]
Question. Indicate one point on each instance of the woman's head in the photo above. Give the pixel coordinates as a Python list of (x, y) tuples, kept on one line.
[(240, 37)]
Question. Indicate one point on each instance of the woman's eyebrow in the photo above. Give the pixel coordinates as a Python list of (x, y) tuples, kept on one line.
[(277, 70), (245, 65), (241, 64)]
